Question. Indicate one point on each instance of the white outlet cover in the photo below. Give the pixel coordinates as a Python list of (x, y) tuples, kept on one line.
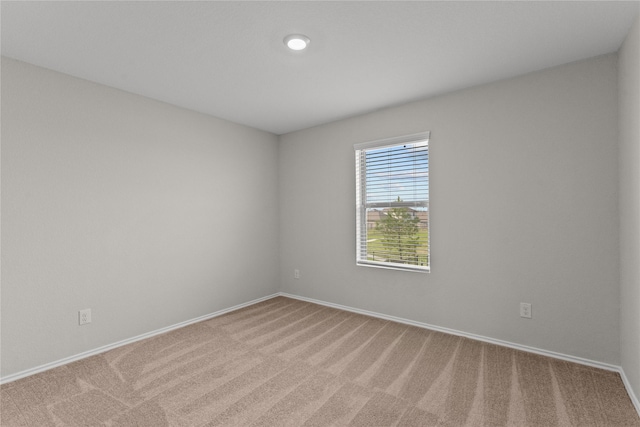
[(84, 316)]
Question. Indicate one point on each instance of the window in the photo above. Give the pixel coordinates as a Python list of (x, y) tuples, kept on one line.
[(392, 203)]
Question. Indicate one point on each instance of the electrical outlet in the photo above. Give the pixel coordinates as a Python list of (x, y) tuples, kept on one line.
[(525, 310), (84, 316), (296, 274)]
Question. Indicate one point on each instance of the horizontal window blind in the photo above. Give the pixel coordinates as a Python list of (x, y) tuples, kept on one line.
[(392, 203)]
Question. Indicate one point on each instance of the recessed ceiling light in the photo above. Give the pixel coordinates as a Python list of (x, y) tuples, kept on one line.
[(296, 41)]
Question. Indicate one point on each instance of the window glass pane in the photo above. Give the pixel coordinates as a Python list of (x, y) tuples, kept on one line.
[(393, 205)]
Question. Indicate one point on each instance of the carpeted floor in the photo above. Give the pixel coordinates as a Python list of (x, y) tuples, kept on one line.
[(285, 362)]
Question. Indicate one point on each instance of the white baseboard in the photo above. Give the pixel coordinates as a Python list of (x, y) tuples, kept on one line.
[(528, 349), (634, 397), (66, 360), (553, 354)]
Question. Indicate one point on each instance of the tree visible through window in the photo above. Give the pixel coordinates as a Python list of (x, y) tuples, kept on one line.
[(392, 184), (399, 236)]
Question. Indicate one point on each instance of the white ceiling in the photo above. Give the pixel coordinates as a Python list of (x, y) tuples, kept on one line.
[(227, 59)]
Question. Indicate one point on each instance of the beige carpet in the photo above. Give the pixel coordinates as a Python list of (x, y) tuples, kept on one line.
[(284, 362)]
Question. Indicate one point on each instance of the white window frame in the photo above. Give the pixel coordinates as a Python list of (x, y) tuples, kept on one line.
[(362, 204)]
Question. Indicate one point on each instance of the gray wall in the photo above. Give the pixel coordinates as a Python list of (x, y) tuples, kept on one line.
[(146, 213), (523, 206), (629, 112)]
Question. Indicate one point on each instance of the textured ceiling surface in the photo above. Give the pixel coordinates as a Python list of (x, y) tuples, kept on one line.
[(227, 59)]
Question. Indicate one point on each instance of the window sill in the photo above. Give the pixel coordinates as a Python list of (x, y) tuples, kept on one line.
[(401, 267)]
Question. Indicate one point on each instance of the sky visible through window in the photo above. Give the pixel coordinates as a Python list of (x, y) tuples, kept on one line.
[(400, 171)]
